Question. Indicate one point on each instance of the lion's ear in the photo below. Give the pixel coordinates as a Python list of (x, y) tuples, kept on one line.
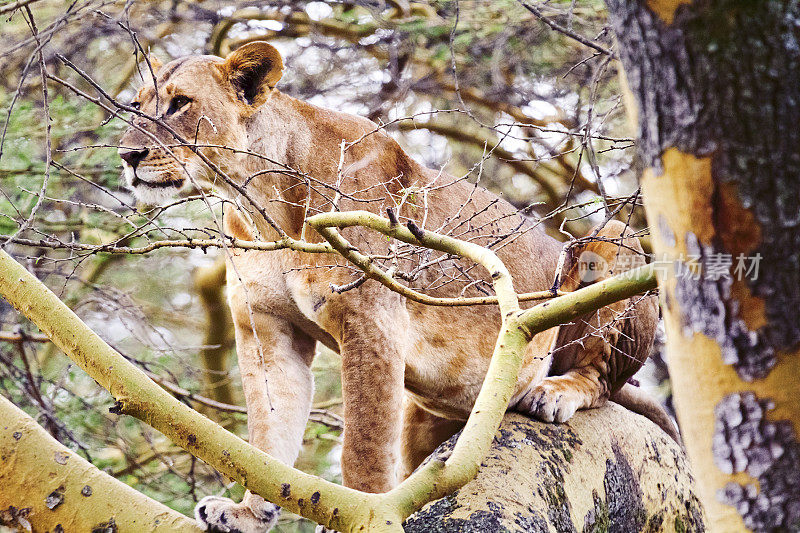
[(254, 69)]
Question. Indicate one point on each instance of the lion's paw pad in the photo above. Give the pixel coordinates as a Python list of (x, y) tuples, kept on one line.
[(222, 515), (550, 404)]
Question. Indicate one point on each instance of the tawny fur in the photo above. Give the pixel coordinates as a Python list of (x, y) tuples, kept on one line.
[(393, 350)]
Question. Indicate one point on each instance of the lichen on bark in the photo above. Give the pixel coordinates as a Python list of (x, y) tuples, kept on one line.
[(707, 307), (723, 81), (605, 470), (745, 440), (623, 494)]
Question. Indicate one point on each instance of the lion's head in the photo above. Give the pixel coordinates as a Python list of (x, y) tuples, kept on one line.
[(203, 101)]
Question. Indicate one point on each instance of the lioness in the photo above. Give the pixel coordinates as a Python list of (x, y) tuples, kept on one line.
[(410, 372)]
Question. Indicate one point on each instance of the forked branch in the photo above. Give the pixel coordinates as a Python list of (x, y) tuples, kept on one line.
[(310, 496)]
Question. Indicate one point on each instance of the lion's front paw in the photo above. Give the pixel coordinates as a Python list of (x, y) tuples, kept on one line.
[(551, 402), (223, 515)]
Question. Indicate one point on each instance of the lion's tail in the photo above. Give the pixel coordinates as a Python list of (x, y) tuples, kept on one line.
[(636, 400)]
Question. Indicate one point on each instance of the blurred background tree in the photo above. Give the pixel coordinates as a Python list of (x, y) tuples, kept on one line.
[(523, 98)]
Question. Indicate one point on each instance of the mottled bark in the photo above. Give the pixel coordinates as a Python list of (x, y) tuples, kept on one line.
[(606, 469), (718, 91), (45, 486)]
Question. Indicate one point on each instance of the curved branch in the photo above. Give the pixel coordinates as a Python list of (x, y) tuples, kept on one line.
[(138, 396), (47, 485), (308, 495), (438, 477), (324, 223)]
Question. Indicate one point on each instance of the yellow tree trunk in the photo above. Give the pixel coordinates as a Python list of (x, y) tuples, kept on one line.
[(718, 92)]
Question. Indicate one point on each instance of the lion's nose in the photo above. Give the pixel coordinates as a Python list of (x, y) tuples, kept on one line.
[(133, 157)]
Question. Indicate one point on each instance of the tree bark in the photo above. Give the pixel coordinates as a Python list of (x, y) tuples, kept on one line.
[(45, 486), (718, 91), (607, 469)]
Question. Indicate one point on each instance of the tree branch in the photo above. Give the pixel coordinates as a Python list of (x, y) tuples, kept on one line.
[(438, 478), (48, 484), (333, 505), (138, 396)]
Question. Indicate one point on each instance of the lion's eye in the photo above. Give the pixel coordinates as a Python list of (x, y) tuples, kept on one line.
[(177, 103), (135, 105)]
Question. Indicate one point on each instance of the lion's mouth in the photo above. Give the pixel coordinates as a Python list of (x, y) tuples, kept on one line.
[(156, 184)]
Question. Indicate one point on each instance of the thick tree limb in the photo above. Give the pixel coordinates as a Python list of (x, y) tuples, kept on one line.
[(310, 496), (48, 485), (137, 395), (607, 469)]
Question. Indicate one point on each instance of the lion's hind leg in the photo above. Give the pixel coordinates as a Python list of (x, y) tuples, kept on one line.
[(423, 432), (557, 398), (593, 356)]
